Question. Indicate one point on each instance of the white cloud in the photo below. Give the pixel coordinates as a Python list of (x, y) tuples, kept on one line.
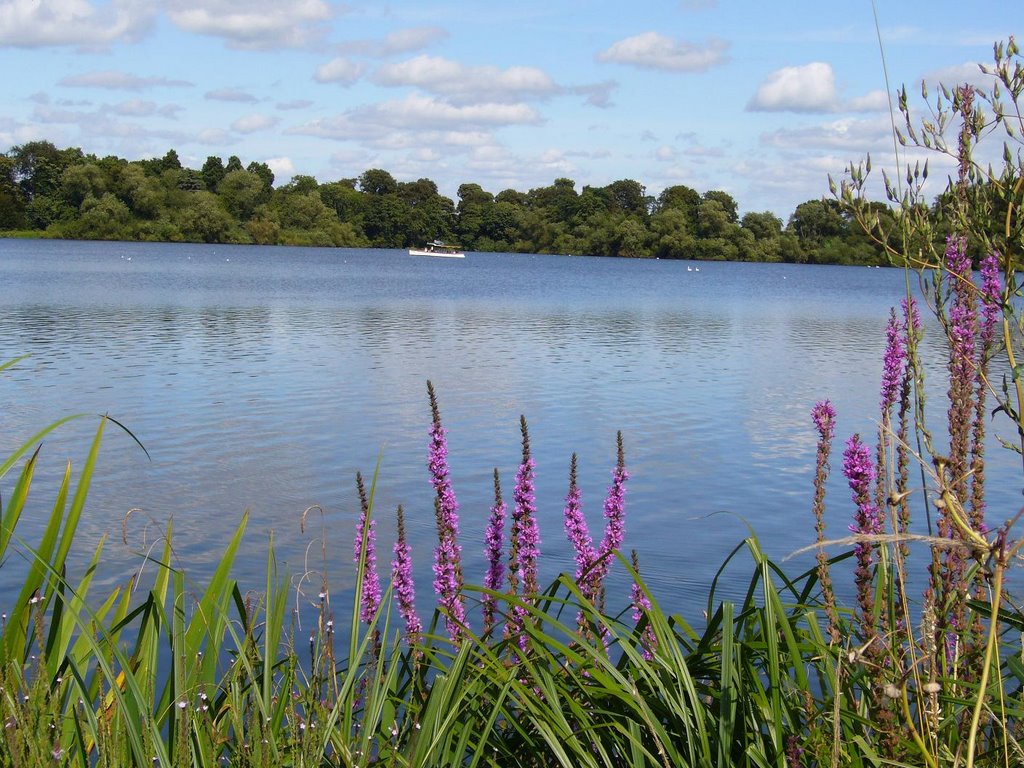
[(873, 101), (968, 73), (412, 119), (253, 123), (123, 81), (807, 88), (46, 114), (665, 153), (417, 110), (810, 88), (340, 70), (135, 108), (254, 23), (282, 167), (652, 50), (598, 94), (294, 104), (214, 137), (854, 135), (230, 94), (397, 42), (461, 83), (36, 23)]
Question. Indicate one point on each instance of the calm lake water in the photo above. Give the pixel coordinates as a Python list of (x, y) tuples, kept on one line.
[(262, 379)]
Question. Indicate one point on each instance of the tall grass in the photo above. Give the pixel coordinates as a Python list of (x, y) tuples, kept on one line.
[(166, 672)]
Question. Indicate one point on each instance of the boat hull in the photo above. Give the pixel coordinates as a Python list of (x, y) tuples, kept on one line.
[(439, 254)]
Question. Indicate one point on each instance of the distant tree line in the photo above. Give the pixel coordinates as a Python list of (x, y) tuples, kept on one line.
[(69, 194)]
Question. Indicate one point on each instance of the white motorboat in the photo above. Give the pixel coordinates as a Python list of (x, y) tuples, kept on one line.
[(437, 248)]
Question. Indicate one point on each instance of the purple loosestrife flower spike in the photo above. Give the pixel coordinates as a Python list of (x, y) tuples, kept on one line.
[(525, 518), (576, 529), (525, 547), (824, 417), (448, 553), (992, 296), (368, 557), (495, 545), (405, 588), (641, 607), (961, 327), (860, 473), (892, 364), (614, 515)]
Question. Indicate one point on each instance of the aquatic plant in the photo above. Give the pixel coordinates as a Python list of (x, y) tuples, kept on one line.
[(448, 552)]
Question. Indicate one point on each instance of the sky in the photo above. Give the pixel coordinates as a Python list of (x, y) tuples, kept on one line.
[(761, 99)]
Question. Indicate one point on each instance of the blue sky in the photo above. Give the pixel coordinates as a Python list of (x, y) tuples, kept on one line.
[(761, 99)]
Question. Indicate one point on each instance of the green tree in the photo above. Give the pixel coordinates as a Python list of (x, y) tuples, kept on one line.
[(103, 218), (345, 200), (38, 166), (631, 238), (203, 219), (12, 199), (263, 171), (627, 196), (213, 172), (241, 191), (81, 181), (763, 226), (727, 202), (679, 197), (672, 233), (377, 182)]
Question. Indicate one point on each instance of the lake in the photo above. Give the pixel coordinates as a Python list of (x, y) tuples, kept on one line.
[(263, 379)]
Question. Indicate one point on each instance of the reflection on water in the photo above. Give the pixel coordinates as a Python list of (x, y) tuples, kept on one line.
[(263, 379)]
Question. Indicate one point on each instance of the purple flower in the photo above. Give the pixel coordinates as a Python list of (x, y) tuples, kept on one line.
[(962, 318), (614, 515), (641, 606), (576, 528), (892, 363), (525, 521), (448, 553), (859, 470), (371, 593), (405, 588), (992, 296), (495, 545), (525, 546), (958, 263), (860, 473), (911, 316), (824, 416)]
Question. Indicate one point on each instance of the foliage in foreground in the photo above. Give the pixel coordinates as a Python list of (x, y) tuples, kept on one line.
[(783, 677)]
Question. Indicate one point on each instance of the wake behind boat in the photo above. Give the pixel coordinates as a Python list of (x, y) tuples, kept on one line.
[(437, 248)]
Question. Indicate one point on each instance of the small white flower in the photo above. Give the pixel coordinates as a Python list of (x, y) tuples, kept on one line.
[(182, 704)]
